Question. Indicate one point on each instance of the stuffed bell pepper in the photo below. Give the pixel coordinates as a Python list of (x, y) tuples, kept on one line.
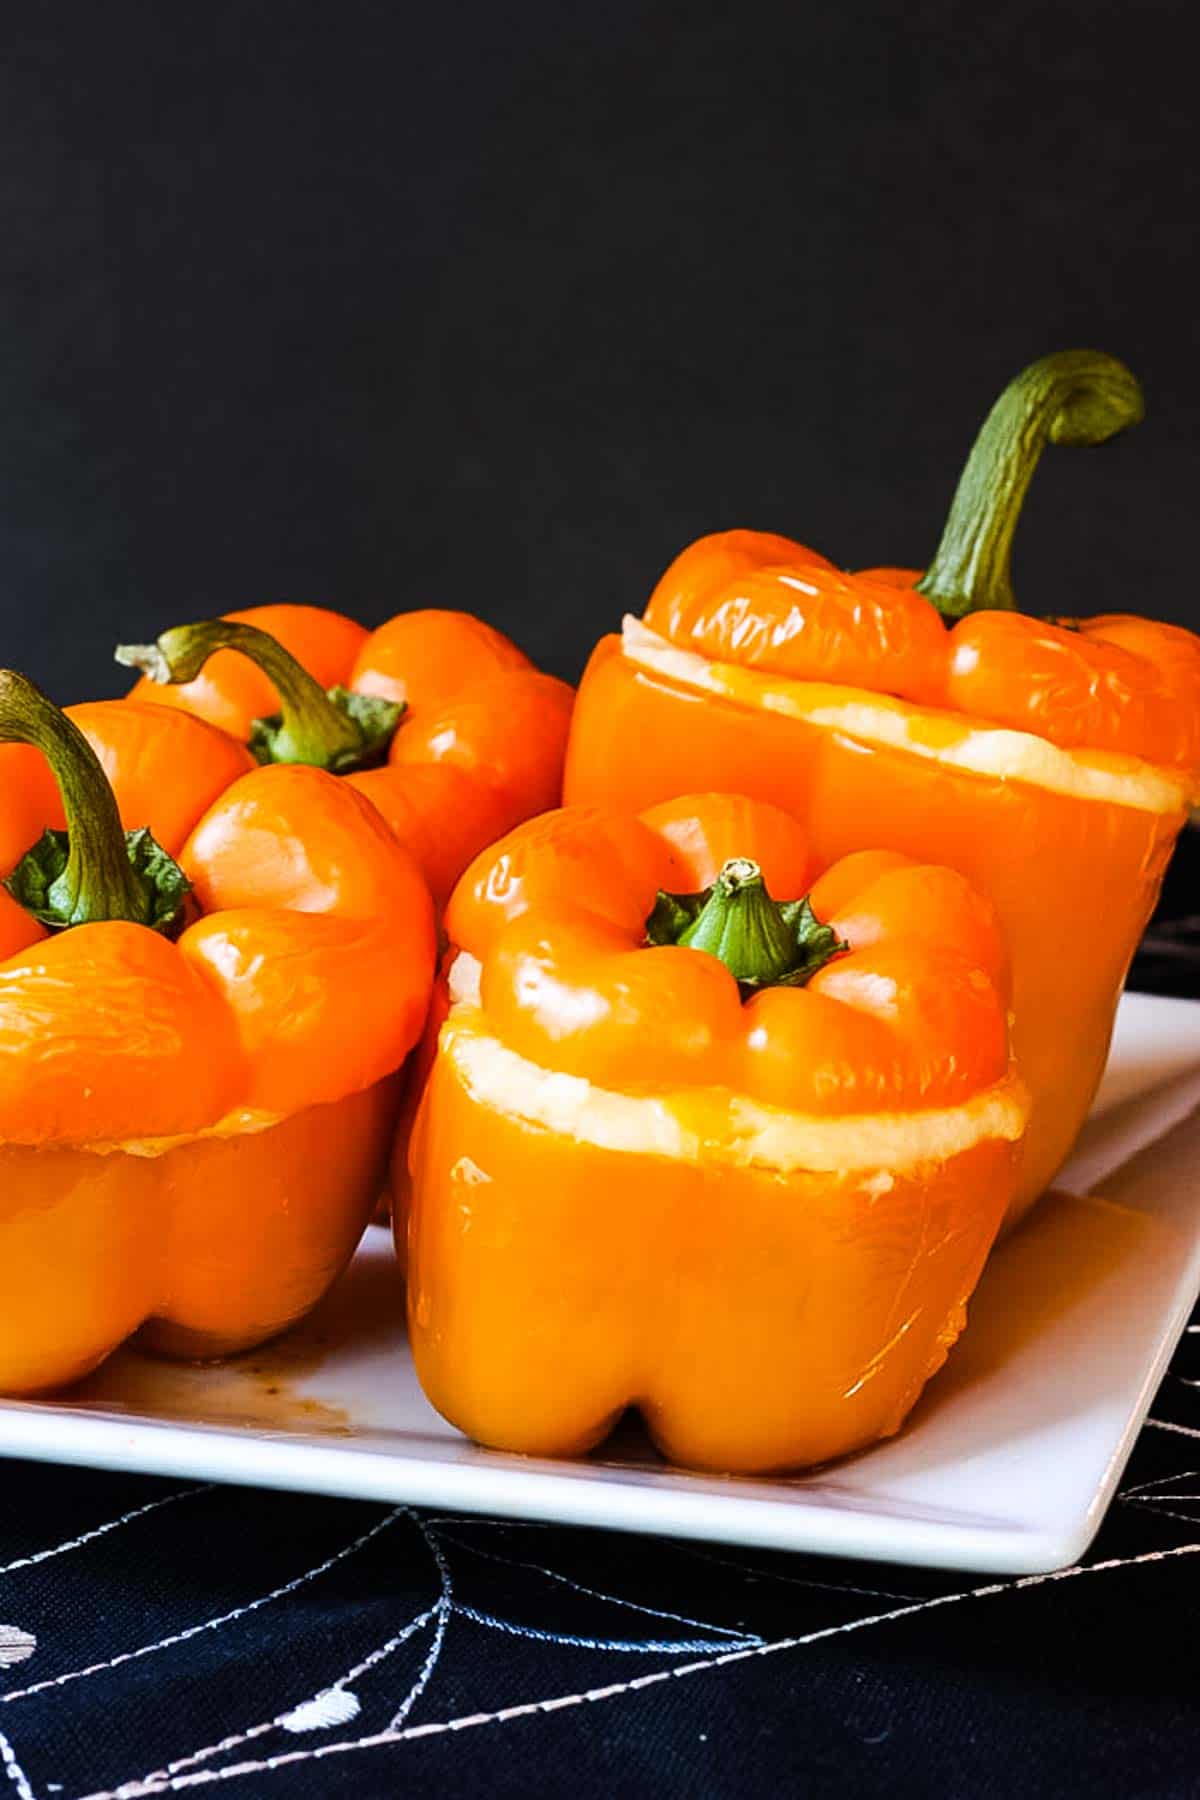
[(1050, 760), (438, 718), (446, 726), (201, 1021), (706, 1138)]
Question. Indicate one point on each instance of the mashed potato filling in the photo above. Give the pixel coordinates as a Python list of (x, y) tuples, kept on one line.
[(944, 737), (714, 1124)]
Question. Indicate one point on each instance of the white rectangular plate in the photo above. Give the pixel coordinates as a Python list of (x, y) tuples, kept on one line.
[(1008, 1463)]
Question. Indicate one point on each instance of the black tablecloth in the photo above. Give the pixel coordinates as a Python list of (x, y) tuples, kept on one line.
[(158, 1638)]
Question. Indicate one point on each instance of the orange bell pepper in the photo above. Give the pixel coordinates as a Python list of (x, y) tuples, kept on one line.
[(1051, 761), (482, 731), (197, 1057), (743, 1176)]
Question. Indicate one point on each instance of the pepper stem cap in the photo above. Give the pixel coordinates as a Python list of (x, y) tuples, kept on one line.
[(330, 728), (761, 941), (95, 870), (1071, 397)]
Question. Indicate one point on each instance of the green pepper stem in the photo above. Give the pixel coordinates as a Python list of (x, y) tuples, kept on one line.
[(1071, 397), (762, 942), (333, 730), (98, 881), (742, 926)]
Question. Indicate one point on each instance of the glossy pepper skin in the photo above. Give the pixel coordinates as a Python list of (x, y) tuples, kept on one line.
[(755, 1215), (479, 747), (193, 1133), (1052, 762)]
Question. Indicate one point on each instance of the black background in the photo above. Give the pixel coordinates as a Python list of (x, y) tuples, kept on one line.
[(497, 306)]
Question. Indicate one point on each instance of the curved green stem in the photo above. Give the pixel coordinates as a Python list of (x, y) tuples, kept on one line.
[(94, 870), (327, 729), (762, 942), (1071, 397)]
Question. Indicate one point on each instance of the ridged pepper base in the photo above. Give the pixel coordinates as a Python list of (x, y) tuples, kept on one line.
[(210, 1247), (760, 1321)]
